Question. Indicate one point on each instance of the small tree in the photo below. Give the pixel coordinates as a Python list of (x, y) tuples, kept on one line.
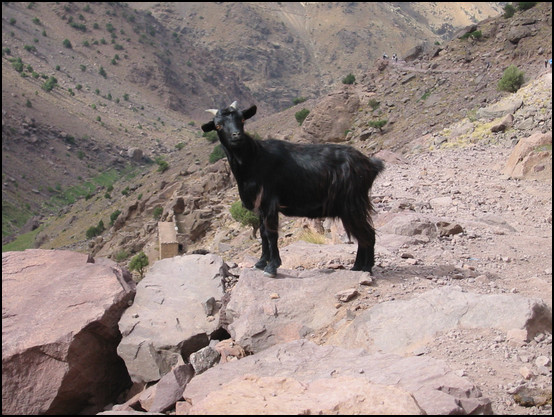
[(511, 80), (138, 263), (245, 217), (378, 124)]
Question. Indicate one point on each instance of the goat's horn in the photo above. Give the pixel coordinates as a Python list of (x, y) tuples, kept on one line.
[(234, 105), (212, 111)]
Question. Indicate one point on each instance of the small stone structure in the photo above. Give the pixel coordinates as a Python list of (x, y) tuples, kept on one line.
[(167, 236)]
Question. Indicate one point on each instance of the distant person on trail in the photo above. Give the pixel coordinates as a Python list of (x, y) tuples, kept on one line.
[(546, 63), (550, 62), (394, 58)]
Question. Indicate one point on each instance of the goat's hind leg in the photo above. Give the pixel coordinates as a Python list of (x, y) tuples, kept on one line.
[(364, 233), (365, 259)]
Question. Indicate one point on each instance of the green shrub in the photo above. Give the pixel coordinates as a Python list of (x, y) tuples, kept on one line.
[(18, 65), (94, 231), (509, 11), (138, 263), (163, 165), (244, 216), (301, 115), (67, 43), (511, 80), (476, 34), (299, 100), (102, 72), (374, 104), (121, 255), (157, 212), (526, 5), (217, 154), (378, 124), (349, 79), (49, 84), (211, 136)]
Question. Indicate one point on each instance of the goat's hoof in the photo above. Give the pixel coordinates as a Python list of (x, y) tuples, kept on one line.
[(260, 265), (270, 272)]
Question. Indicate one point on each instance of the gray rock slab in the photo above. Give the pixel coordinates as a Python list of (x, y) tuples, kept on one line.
[(265, 311), (436, 389), (403, 326), (168, 319)]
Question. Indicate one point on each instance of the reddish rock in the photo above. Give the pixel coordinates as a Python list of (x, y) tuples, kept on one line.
[(60, 313)]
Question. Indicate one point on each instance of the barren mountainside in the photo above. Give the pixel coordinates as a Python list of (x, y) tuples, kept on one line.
[(133, 81)]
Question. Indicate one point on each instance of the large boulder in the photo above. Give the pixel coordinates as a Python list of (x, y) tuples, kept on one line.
[(531, 158), (331, 117), (59, 332), (170, 317)]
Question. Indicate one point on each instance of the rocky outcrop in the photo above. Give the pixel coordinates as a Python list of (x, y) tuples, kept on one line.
[(60, 311), (531, 158), (330, 119), (169, 319)]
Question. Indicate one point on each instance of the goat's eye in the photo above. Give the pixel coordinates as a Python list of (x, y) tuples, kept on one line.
[(218, 127)]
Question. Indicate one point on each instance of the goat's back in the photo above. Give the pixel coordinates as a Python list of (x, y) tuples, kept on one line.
[(315, 180)]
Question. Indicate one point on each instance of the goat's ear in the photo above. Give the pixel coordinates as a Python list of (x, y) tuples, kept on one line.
[(248, 113), (208, 127)]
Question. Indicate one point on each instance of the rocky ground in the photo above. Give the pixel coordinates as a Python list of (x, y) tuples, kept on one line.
[(505, 247)]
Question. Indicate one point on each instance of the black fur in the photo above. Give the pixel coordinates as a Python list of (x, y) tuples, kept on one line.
[(303, 180)]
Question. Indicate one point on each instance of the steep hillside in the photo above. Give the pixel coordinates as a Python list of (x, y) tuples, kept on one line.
[(284, 50), (81, 84), (164, 64)]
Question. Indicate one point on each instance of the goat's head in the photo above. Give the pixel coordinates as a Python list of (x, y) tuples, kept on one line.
[(229, 124)]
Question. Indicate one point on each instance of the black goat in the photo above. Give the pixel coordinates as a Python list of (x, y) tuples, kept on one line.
[(304, 180)]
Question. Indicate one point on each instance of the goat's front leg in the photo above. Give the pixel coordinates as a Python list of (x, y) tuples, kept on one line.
[(269, 230), (272, 233), (262, 263)]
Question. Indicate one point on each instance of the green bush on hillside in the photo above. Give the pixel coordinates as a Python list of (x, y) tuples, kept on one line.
[(244, 216), (509, 11), (378, 124), (511, 80), (526, 5), (349, 79), (217, 154), (301, 115)]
